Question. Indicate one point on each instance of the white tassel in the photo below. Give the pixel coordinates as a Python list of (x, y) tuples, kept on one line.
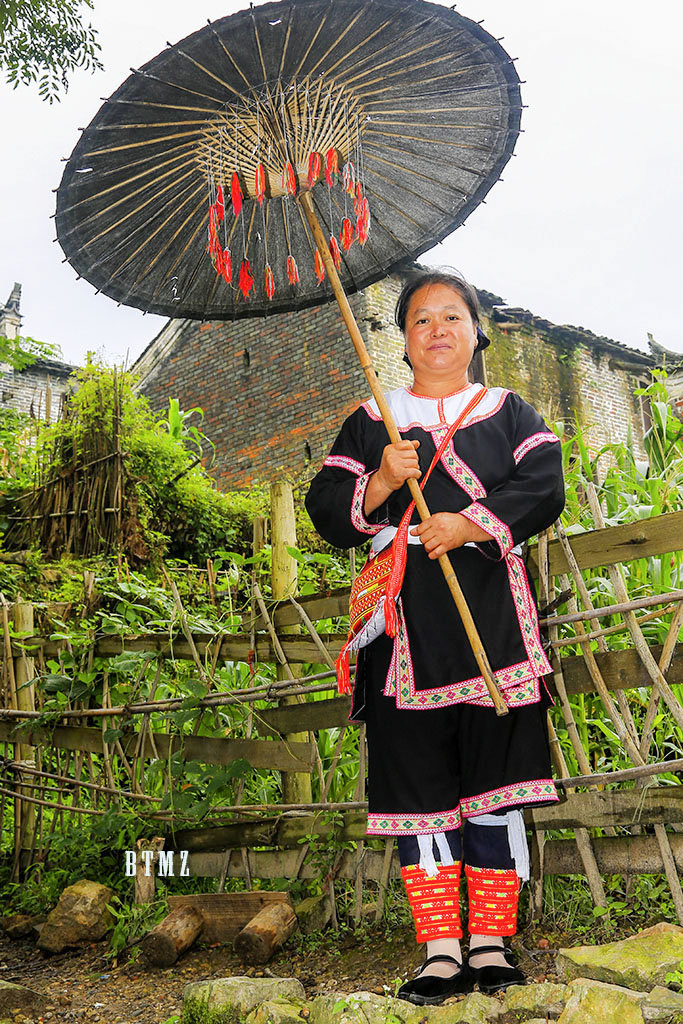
[(427, 862), (517, 841), (444, 849)]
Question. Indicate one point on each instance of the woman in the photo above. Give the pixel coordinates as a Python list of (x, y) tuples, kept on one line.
[(439, 756)]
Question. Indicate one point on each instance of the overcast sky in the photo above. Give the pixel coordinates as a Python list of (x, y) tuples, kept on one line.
[(585, 228)]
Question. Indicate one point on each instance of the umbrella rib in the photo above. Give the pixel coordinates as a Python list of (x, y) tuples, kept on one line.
[(376, 68), (134, 177), (338, 40), (402, 97), (398, 186), (477, 147), (359, 46), (149, 238), (150, 124), (232, 60), (416, 174), (118, 223), (401, 149), (182, 88), (124, 199), (427, 81), (211, 75), (286, 42), (312, 42), (106, 172), (309, 130), (120, 246), (165, 248), (166, 106), (430, 110), (200, 227), (440, 125), (143, 142)]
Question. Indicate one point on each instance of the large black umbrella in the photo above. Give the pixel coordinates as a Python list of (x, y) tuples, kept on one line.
[(215, 181)]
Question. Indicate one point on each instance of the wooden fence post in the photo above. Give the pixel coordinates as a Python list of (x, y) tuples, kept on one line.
[(25, 819), (296, 786)]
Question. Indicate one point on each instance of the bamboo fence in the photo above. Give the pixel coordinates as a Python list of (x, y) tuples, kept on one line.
[(78, 766)]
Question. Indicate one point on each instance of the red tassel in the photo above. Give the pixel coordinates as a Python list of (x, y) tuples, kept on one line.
[(358, 200), (319, 267), (363, 223), (246, 281), (260, 183), (346, 234), (314, 167), (349, 178), (343, 674), (218, 259), (227, 266), (269, 281), (331, 167), (236, 194), (288, 179), (292, 270), (334, 252), (220, 204)]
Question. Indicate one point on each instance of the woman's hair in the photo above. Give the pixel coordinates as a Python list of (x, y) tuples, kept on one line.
[(448, 277)]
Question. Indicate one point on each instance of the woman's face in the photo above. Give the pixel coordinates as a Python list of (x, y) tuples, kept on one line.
[(440, 334)]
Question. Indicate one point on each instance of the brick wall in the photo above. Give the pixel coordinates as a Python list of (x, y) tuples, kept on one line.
[(275, 390)]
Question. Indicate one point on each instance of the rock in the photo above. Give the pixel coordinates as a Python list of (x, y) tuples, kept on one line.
[(661, 1003), (313, 913), (15, 998), (80, 916), (475, 1008), (532, 1000), (281, 1010), (241, 995), (639, 962), (363, 1008), (592, 1001), (18, 926)]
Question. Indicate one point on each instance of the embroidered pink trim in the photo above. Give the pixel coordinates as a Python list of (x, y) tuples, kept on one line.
[(436, 426), (406, 824), (544, 437), (416, 394), (533, 791), (480, 515), (358, 519), (458, 469), (520, 681), (343, 462), (525, 609)]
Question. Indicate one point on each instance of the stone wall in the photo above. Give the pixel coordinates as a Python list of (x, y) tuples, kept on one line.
[(275, 390), (25, 390)]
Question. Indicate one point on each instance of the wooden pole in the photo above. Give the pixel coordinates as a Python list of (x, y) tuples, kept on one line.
[(296, 786), (481, 658), (23, 673)]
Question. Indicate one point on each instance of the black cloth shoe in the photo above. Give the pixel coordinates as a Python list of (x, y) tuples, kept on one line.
[(430, 990), (494, 979)]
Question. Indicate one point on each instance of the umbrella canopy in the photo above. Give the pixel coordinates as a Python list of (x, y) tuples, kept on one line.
[(180, 197)]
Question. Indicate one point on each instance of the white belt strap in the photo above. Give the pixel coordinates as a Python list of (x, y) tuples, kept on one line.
[(519, 848), (382, 540)]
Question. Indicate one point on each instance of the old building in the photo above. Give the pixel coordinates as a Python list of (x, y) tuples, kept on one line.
[(275, 390), (30, 389)]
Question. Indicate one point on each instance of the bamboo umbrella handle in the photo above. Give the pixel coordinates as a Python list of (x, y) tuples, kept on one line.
[(306, 203)]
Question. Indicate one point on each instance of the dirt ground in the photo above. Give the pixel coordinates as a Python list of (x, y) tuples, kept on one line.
[(81, 985)]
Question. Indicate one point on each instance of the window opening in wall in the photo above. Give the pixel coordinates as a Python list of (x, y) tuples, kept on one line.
[(246, 359), (307, 451), (7, 396)]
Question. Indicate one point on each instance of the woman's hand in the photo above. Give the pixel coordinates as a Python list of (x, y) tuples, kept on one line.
[(447, 530), (399, 463)]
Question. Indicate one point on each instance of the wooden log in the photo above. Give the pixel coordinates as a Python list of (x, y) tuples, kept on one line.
[(614, 855), (266, 933), (225, 914), (206, 749), (145, 873), (332, 713), (173, 936)]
